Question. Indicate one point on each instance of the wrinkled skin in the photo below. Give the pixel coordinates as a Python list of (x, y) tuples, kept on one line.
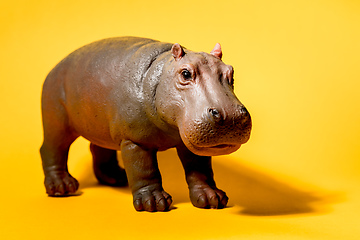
[(140, 96)]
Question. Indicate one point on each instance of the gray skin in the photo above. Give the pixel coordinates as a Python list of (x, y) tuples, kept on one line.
[(140, 96)]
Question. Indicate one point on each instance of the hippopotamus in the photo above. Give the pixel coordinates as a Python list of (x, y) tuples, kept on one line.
[(140, 96)]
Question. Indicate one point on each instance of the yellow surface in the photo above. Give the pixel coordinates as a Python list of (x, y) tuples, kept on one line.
[(297, 67)]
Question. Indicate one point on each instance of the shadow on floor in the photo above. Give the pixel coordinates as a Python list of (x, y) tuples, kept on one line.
[(256, 193), (260, 194)]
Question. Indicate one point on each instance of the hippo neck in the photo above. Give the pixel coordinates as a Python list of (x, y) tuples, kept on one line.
[(151, 81)]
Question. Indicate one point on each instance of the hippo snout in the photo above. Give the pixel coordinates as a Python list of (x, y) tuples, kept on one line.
[(239, 114), (218, 131)]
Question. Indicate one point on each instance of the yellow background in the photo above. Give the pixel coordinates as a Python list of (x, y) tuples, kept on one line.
[(297, 71)]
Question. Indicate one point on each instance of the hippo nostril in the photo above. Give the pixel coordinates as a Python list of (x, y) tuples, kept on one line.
[(244, 116), (243, 111), (214, 112)]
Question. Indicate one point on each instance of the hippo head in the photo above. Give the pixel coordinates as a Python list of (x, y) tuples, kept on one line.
[(198, 99)]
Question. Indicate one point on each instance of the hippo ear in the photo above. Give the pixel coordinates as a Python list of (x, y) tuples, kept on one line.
[(177, 51), (217, 51)]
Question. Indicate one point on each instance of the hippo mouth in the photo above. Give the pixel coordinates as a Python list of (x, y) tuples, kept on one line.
[(221, 149), (221, 146), (210, 150)]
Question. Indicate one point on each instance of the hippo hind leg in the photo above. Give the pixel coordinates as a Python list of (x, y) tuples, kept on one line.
[(106, 166), (54, 151)]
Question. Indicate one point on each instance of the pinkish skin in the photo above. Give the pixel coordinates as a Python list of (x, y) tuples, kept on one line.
[(140, 96)]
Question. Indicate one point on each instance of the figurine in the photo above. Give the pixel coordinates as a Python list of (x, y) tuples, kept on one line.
[(140, 96)]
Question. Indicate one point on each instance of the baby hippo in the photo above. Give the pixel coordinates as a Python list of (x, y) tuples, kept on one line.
[(140, 96)]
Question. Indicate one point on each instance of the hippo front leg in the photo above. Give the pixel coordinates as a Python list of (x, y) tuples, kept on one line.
[(144, 178), (200, 179)]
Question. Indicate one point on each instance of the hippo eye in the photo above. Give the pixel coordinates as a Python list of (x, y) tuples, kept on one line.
[(186, 74)]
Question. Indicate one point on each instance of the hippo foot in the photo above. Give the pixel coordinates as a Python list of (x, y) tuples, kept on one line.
[(152, 198), (60, 183), (111, 175), (208, 197)]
